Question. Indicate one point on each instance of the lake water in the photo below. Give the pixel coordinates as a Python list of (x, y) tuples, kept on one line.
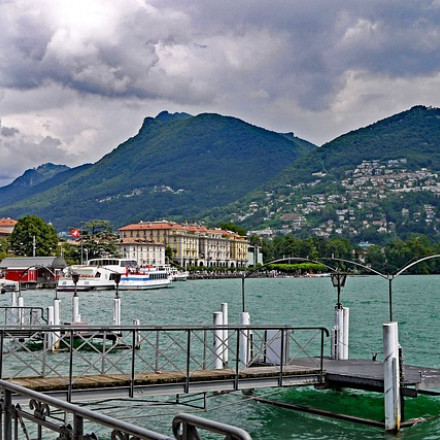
[(295, 302)]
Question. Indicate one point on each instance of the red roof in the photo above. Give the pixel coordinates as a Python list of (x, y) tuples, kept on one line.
[(151, 226), (7, 222)]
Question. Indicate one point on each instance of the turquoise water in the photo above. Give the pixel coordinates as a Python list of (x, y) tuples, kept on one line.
[(296, 302)]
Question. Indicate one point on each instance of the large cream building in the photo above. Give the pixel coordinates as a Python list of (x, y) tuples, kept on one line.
[(191, 245)]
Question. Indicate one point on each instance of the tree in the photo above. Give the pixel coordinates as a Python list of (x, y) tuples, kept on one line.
[(32, 236), (229, 226), (375, 257), (4, 248), (98, 238), (169, 254)]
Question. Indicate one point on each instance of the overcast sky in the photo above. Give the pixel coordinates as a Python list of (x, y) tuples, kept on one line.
[(77, 77)]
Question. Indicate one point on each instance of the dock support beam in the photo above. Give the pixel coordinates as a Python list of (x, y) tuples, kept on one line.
[(391, 376)]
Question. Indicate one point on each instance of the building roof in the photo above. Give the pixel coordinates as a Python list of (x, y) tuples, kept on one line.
[(151, 226), (28, 262), (166, 225), (7, 222), (133, 240)]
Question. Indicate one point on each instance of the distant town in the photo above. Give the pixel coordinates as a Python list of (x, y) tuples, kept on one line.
[(353, 209)]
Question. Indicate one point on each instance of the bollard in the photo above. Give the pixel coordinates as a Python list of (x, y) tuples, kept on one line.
[(137, 337), (76, 317), (391, 376), (20, 310), (244, 339), (345, 339), (218, 341), (340, 334), (14, 314), (50, 321), (56, 322), (117, 311), (225, 334)]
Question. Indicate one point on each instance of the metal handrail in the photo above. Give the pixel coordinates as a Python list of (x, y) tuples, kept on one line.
[(183, 350), (185, 428), (78, 412)]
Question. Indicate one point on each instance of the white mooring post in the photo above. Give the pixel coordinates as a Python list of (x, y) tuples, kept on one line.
[(56, 321), (218, 341), (137, 323), (20, 310), (225, 334), (13, 315), (340, 334), (117, 311), (245, 319), (391, 376), (346, 319), (76, 317), (50, 321)]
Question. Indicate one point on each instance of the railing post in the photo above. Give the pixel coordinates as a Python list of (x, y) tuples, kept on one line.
[(321, 363), (7, 405), (78, 427), (69, 389), (188, 360), (2, 338), (157, 351), (280, 383), (133, 362), (205, 345)]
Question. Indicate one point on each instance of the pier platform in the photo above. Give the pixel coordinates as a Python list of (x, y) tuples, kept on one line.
[(357, 374), (79, 363)]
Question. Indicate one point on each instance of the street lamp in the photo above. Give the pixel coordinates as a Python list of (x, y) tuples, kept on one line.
[(338, 281), (75, 279)]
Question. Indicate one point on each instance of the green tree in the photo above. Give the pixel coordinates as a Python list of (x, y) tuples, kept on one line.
[(98, 238), (4, 248), (32, 235), (375, 257), (169, 254), (230, 226)]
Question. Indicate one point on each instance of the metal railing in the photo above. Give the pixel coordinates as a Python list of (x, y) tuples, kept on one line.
[(137, 353), (44, 414), (29, 316)]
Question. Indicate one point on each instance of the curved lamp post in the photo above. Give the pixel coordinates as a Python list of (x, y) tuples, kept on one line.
[(389, 277), (289, 259)]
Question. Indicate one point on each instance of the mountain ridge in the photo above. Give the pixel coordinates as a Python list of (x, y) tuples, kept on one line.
[(178, 160)]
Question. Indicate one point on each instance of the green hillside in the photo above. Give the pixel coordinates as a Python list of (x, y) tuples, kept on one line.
[(372, 183), (175, 167)]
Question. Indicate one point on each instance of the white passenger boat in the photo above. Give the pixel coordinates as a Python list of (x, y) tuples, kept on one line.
[(100, 274), (175, 274)]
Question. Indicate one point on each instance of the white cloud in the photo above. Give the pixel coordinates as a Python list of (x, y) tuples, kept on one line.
[(78, 77)]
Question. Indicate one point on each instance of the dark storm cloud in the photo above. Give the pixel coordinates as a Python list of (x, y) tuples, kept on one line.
[(84, 73)]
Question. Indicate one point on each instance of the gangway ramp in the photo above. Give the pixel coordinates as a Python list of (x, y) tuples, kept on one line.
[(78, 363)]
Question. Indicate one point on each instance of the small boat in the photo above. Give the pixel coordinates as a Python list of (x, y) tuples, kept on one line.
[(100, 274), (175, 274)]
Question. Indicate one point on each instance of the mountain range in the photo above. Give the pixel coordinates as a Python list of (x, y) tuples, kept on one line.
[(378, 179)]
